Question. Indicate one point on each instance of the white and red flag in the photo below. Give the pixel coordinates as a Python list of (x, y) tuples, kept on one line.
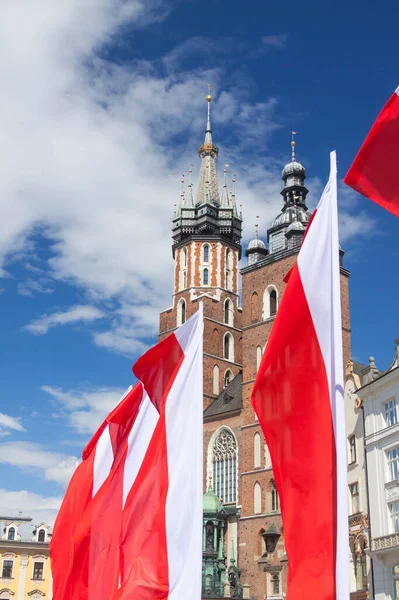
[(130, 526), (373, 173), (298, 398)]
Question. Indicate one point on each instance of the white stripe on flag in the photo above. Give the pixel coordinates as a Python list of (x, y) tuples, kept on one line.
[(184, 447), (139, 439), (324, 277), (104, 456)]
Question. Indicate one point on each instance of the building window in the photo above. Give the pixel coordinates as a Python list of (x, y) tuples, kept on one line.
[(254, 307), (257, 499), (11, 534), (225, 466), (7, 569), (205, 253), (38, 568), (275, 581), (393, 463), (181, 312), (394, 510), (228, 312), (352, 449), (183, 269), (257, 451), (229, 269), (360, 572), (270, 302), (391, 415), (228, 347), (42, 536), (354, 492), (228, 376), (259, 353), (216, 380), (273, 303), (205, 277), (275, 498), (395, 574)]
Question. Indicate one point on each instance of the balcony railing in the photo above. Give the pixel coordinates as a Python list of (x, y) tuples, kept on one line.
[(385, 542)]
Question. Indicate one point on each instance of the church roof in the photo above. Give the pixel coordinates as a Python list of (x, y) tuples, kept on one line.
[(211, 503), (230, 400)]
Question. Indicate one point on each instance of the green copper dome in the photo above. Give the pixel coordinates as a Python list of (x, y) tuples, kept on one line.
[(211, 503)]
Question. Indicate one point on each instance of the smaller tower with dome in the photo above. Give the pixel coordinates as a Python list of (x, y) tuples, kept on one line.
[(256, 249), (288, 227)]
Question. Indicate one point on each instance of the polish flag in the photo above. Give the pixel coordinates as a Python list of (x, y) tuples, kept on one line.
[(130, 525), (298, 398), (374, 170)]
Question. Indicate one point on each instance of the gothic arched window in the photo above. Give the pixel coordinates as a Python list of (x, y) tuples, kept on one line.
[(42, 536), (181, 312), (257, 499), (228, 347), (228, 376), (205, 253), (229, 269), (205, 277), (228, 312), (275, 498), (270, 302), (216, 380), (225, 466), (254, 307), (183, 269), (11, 534), (257, 451), (273, 303), (259, 353)]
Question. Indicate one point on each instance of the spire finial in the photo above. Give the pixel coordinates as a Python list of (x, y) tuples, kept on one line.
[(293, 144), (225, 175), (190, 173), (209, 96), (256, 227), (209, 100)]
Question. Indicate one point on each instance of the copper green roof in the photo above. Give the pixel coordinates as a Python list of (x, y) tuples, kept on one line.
[(211, 503)]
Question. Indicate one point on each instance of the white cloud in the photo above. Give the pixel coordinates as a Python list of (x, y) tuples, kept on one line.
[(85, 409), (91, 160), (76, 314), (42, 509), (275, 41), (8, 423), (53, 466)]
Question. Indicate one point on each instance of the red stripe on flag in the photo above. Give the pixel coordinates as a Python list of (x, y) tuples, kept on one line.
[(291, 399), (144, 565), (373, 173), (144, 552), (158, 367)]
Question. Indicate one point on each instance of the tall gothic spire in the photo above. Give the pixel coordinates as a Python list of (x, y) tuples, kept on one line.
[(210, 216), (208, 189)]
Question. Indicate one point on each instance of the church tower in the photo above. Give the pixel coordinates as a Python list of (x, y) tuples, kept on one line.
[(206, 231), (262, 560), (243, 542)]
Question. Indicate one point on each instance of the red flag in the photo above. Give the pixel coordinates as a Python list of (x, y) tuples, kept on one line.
[(374, 171), (130, 525), (298, 398)]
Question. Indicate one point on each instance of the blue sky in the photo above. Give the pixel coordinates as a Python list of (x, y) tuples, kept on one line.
[(103, 109)]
